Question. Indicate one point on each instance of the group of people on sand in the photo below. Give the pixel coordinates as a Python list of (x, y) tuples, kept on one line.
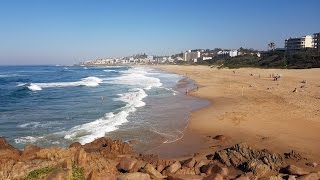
[(275, 76)]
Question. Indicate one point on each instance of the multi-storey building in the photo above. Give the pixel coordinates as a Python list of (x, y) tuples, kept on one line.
[(296, 44), (316, 41), (191, 55)]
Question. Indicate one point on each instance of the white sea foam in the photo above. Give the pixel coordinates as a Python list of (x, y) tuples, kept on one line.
[(36, 124), (21, 84), (88, 132), (9, 75), (88, 81), (109, 70), (26, 139), (34, 87), (30, 124), (136, 77)]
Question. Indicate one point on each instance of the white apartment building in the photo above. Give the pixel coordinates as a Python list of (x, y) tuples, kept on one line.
[(296, 44), (191, 56)]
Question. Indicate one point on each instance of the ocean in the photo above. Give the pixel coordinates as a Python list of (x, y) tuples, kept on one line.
[(58, 105)]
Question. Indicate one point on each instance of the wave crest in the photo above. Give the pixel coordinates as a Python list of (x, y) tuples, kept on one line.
[(88, 81)]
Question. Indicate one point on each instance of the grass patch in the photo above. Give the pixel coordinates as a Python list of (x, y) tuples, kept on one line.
[(39, 173), (77, 173)]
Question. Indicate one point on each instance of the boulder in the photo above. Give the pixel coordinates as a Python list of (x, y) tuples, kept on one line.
[(214, 177), (214, 169), (95, 175), (294, 155), (30, 152), (173, 168), (189, 163), (108, 145), (311, 176), (75, 145), (241, 154), (138, 166), (312, 164), (184, 177), (7, 151), (257, 167), (134, 176), (126, 164), (223, 157), (242, 177), (199, 164), (160, 167), (154, 174), (186, 171), (294, 170), (220, 137)]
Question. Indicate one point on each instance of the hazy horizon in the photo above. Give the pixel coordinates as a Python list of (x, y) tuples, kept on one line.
[(66, 32)]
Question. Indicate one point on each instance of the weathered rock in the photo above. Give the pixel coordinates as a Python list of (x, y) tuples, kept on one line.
[(311, 176), (220, 137), (60, 175), (153, 172), (277, 177), (160, 167), (134, 176), (223, 157), (199, 164), (75, 145), (291, 177), (95, 175), (257, 167), (81, 156), (312, 164), (7, 151), (67, 164), (126, 164), (242, 177), (184, 177), (294, 155), (186, 171), (30, 152), (138, 166), (108, 145), (294, 170), (214, 169), (214, 177), (173, 168), (241, 154), (189, 163)]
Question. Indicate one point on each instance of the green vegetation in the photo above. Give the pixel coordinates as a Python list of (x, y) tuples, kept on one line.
[(272, 59), (39, 173), (77, 173)]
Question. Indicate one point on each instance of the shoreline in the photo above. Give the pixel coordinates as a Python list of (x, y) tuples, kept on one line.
[(280, 116)]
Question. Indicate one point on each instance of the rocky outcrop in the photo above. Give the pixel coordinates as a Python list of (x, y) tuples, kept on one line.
[(105, 159), (7, 151), (294, 170), (249, 160), (134, 176)]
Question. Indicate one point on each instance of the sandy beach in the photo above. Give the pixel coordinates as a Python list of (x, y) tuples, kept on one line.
[(247, 105)]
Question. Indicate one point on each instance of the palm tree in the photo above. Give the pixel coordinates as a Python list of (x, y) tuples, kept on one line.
[(272, 46)]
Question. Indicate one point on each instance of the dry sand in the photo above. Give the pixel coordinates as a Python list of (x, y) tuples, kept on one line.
[(253, 109)]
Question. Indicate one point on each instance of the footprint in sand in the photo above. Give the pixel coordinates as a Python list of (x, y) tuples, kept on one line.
[(235, 117)]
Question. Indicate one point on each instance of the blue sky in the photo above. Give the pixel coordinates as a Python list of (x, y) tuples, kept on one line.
[(68, 31)]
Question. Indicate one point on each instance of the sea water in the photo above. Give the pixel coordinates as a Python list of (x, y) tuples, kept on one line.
[(58, 105)]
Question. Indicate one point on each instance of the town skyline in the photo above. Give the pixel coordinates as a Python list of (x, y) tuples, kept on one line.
[(66, 33)]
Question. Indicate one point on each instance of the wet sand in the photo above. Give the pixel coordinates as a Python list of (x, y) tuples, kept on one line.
[(247, 105)]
